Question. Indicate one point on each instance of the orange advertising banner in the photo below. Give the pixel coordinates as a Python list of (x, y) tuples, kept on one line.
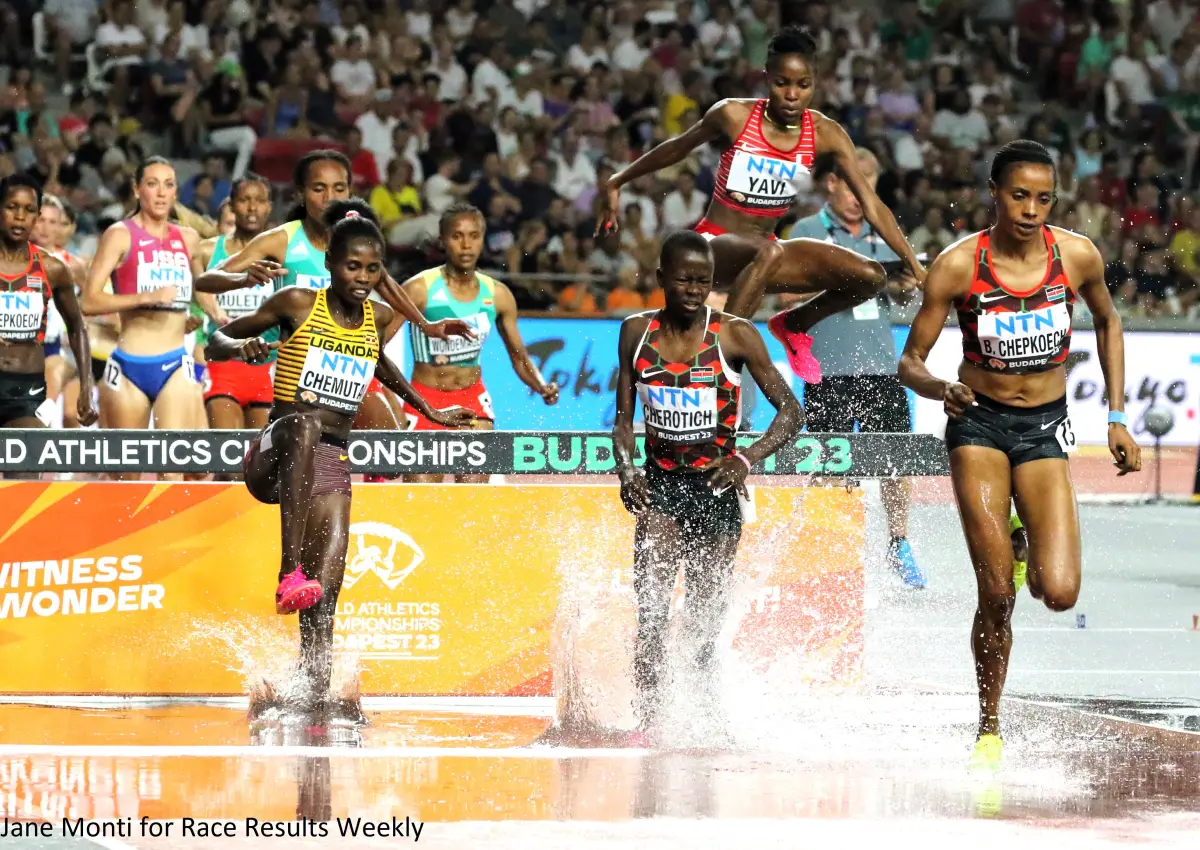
[(146, 589)]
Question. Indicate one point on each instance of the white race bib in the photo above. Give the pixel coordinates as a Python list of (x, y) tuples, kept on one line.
[(1023, 339), (764, 181), (336, 374), (457, 349), (159, 269), (313, 281), (868, 311), (21, 315), (243, 302), (1065, 435), (686, 416)]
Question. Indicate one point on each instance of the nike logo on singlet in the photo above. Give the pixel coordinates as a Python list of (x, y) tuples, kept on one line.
[(984, 299)]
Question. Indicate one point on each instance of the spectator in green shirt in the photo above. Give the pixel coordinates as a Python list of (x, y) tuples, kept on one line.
[(909, 28), (1098, 52), (1184, 108)]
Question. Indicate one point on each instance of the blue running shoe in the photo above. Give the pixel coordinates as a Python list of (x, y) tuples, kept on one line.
[(901, 561)]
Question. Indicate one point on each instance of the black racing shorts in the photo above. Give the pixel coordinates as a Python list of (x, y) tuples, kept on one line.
[(878, 404), (687, 498), (1022, 433), (21, 394)]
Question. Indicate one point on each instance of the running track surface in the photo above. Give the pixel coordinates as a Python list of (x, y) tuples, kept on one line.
[(1102, 739)]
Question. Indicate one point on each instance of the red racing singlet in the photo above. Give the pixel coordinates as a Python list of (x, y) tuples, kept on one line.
[(757, 178), (24, 302), (154, 263), (691, 408), (1016, 333)]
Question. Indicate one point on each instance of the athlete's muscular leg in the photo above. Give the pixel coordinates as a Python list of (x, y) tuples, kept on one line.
[(477, 425), (326, 539), (657, 547), (123, 406), (179, 406), (707, 574), (982, 488), (257, 416), (283, 473), (756, 267), (1046, 503), (225, 414)]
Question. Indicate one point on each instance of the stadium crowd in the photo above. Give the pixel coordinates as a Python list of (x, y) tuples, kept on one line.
[(525, 107)]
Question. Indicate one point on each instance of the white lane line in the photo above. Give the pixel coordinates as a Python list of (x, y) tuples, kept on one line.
[(1075, 671), (1041, 629), (146, 751)]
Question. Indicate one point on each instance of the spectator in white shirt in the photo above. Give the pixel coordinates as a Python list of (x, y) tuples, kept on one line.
[(573, 171), (631, 54), (684, 206), (452, 78), (488, 81), (70, 25), (588, 52), (720, 37), (350, 26), (120, 41), (961, 126), (989, 80), (193, 40), (151, 14), (1131, 79), (376, 126), (460, 20), (440, 189), (420, 22), (525, 96), (353, 76), (1168, 19), (909, 150)]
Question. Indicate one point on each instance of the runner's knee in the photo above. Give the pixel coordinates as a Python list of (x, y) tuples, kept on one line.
[(1057, 593), (996, 592)]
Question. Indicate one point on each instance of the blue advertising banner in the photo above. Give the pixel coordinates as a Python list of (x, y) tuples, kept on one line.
[(581, 356)]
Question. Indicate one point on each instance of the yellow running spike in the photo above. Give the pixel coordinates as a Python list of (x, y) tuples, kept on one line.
[(987, 753), (1020, 568)]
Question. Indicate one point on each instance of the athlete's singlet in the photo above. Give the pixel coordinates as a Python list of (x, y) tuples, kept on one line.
[(757, 178), (305, 265), (479, 313), (24, 302), (238, 302), (691, 408), (153, 264), (325, 365), (1011, 332)]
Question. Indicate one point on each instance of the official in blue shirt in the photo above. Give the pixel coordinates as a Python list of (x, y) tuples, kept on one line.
[(857, 351)]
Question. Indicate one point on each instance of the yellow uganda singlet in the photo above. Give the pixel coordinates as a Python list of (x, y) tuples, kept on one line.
[(325, 365)]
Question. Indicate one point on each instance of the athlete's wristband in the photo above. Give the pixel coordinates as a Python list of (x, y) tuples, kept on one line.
[(744, 460), (1118, 417)]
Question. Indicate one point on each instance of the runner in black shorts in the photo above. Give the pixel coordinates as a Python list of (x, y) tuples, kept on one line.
[(684, 363), (29, 278), (1014, 287)]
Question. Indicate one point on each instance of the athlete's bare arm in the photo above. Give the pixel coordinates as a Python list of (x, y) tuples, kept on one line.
[(62, 289), (397, 298), (242, 339), (717, 123), (789, 415), (506, 324), (1085, 265), (392, 378), (78, 269), (114, 245), (258, 262), (949, 279), (634, 492), (832, 138)]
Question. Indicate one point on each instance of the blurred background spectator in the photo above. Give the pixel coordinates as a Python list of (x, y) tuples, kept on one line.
[(524, 107)]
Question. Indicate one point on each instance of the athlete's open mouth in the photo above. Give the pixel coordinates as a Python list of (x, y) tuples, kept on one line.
[(1027, 227)]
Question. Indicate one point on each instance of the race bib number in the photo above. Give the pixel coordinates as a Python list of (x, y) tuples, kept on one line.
[(456, 349), (160, 269), (187, 364), (312, 281), (685, 416), (336, 374), (1015, 340), (868, 311), (485, 404), (1065, 435), (45, 412), (765, 181), (243, 302), (112, 374), (21, 315)]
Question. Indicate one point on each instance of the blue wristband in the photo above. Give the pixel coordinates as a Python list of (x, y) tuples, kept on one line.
[(1118, 417)]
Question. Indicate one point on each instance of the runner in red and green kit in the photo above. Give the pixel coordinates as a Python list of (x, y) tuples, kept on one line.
[(447, 372), (684, 364)]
